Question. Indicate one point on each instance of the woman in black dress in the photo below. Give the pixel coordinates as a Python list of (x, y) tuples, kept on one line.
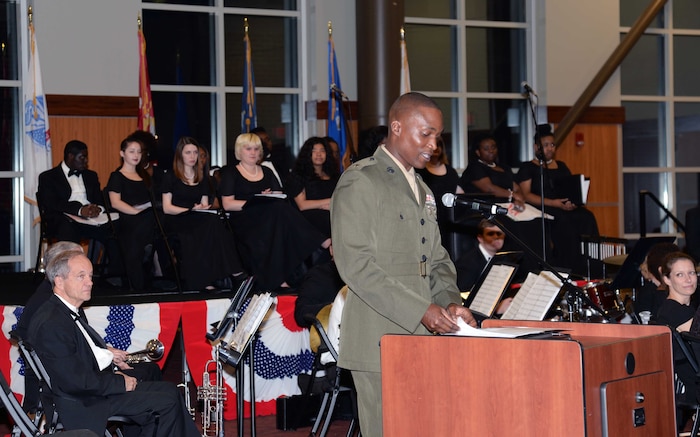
[(275, 237), (442, 178), (207, 249), (312, 182), (128, 189), (485, 174)]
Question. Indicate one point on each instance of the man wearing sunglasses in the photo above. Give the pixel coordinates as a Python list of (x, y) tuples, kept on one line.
[(470, 265)]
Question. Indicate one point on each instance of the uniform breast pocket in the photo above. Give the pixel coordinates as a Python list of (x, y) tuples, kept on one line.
[(399, 232)]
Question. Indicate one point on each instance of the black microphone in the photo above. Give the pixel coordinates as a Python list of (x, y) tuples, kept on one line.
[(528, 89), (338, 91), (450, 200)]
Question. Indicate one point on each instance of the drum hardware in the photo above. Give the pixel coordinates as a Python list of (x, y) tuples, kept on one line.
[(154, 351)]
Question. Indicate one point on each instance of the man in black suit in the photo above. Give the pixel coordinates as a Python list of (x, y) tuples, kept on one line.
[(470, 265), (71, 188), (94, 389)]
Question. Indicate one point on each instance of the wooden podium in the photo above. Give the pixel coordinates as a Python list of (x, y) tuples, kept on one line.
[(605, 380)]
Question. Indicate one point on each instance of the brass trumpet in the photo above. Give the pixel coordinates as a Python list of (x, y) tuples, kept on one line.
[(154, 351)]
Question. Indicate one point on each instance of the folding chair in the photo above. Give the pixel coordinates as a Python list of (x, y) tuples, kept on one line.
[(330, 396), (53, 423), (23, 423), (686, 380)]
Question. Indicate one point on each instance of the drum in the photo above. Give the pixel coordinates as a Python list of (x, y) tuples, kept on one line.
[(602, 296)]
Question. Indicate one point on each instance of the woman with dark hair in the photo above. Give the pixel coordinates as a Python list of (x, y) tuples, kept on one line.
[(275, 238), (128, 190), (312, 182), (679, 275), (485, 174), (208, 256), (442, 178)]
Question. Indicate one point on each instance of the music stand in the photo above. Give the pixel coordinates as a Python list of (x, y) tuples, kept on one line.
[(493, 283)]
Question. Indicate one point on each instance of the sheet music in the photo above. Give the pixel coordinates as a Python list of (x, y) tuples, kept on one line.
[(534, 298), (501, 332), (250, 321), (492, 289), (527, 214), (95, 221)]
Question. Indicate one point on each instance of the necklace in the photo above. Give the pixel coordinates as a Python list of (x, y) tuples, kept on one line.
[(249, 173), (492, 165)]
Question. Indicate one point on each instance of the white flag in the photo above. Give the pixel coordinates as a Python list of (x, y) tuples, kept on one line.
[(405, 74), (37, 141)]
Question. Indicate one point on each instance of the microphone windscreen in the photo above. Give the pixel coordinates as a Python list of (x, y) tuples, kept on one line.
[(448, 199)]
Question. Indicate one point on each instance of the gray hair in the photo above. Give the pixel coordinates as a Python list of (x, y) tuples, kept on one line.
[(58, 266), (61, 246)]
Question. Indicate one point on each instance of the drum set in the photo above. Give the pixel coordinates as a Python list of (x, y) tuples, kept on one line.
[(597, 301)]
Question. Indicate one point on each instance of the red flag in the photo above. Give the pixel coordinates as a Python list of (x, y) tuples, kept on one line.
[(147, 120)]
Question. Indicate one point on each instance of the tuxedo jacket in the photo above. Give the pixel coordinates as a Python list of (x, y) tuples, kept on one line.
[(387, 249), (54, 192), (81, 391), (469, 267)]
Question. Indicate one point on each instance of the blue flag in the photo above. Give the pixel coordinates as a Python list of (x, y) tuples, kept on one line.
[(249, 118), (336, 116)]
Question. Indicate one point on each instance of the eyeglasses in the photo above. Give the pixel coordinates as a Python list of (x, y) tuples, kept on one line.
[(494, 233)]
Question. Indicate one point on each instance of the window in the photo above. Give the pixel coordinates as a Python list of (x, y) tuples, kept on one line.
[(196, 60), (11, 195), (662, 104), (470, 55)]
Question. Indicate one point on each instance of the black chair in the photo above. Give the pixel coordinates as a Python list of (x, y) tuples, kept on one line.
[(330, 396), (23, 424), (687, 376), (47, 406)]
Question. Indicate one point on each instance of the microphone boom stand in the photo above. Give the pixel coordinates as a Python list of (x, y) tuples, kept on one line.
[(539, 154), (571, 291)]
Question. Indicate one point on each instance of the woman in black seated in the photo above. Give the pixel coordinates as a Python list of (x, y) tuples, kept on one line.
[(276, 239), (208, 256), (679, 275), (442, 178), (312, 182), (486, 175), (128, 190)]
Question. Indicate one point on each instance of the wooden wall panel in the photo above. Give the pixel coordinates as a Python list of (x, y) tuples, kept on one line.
[(597, 159), (101, 134)]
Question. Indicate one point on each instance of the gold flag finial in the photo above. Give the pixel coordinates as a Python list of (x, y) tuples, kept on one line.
[(245, 25), (138, 21), (330, 29), (403, 34), (29, 14)]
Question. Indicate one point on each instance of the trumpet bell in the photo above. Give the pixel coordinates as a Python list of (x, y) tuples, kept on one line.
[(154, 351)]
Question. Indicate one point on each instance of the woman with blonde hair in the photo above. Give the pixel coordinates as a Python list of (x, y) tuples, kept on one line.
[(275, 238)]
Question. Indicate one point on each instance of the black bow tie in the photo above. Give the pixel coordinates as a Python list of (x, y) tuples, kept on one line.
[(74, 172)]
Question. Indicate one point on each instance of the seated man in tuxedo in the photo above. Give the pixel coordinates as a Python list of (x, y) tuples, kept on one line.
[(141, 371), (70, 188), (470, 265), (94, 389)]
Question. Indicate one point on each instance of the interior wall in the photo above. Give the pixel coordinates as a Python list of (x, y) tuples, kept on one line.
[(579, 38), (88, 47)]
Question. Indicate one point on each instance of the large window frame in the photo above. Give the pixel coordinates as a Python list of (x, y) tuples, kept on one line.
[(668, 175), (461, 98)]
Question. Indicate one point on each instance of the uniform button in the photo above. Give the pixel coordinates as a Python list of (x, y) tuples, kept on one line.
[(422, 240), (422, 221), (424, 258)]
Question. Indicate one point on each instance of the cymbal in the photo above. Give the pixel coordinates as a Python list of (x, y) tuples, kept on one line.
[(615, 260)]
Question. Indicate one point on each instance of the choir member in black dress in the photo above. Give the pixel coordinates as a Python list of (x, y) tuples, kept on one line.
[(485, 174), (570, 221), (442, 178), (276, 239), (312, 182), (208, 254), (128, 190)]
